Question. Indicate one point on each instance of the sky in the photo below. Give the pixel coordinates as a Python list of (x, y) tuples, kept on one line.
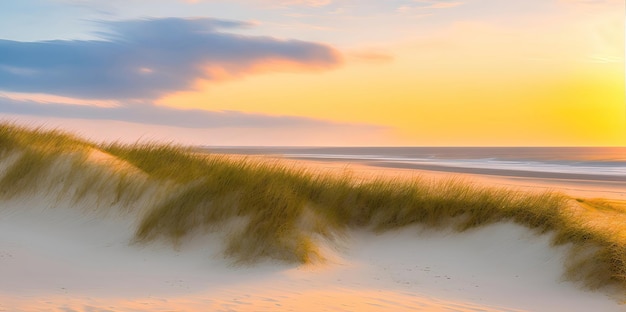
[(318, 72)]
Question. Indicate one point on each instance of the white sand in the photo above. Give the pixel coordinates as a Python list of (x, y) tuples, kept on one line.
[(58, 259)]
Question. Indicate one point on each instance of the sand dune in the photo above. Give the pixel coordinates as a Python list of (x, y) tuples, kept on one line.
[(60, 259), (63, 252), (56, 258)]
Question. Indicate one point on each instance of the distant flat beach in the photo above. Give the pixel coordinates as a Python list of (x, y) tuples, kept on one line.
[(574, 184)]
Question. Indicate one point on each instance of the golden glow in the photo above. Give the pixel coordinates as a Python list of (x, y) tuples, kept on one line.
[(549, 81)]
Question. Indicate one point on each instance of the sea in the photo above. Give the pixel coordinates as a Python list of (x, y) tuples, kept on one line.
[(582, 163)]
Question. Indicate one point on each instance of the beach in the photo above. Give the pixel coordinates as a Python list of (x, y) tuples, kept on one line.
[(55, 257), (312, 155), (582, 185)]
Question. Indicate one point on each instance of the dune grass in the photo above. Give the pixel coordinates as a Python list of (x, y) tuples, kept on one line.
[(54, 161), (37, 151), (281, 212)]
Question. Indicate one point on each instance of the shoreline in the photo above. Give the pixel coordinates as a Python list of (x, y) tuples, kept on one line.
[(574, 185), (504, 172)]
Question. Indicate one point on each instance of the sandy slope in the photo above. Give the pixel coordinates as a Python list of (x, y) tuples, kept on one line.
[(60, 259), (57, 257)]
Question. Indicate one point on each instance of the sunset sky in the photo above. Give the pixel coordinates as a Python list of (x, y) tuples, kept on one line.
[(319, 72)]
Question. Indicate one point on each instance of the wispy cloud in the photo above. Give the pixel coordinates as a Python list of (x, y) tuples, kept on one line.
[(422, 5), (150, 114), (371, 56), (47, 98), (146, 59), (313, 3), (438, 4), (593, 2), (308, 3)]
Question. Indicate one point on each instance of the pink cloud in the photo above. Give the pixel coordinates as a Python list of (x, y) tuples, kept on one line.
[(439, 4)]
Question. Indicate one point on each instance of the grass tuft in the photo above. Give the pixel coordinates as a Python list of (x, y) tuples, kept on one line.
[(283, 209)]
